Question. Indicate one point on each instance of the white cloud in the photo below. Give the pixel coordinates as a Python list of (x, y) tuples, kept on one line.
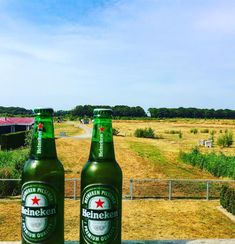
[(138, 54)]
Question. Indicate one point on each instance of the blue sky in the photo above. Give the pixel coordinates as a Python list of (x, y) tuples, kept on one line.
[(152, 53)]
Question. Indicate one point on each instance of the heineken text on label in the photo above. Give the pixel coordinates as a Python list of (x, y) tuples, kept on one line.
[(101, 149), (39, 146), (38, 211), (100, 214)]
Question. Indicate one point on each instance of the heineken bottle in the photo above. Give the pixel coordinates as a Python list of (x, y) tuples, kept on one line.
[(42, 204), (101, 186)]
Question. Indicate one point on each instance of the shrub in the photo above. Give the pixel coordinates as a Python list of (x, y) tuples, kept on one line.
[(227, 198), (11, 164), (173, 132), (218, 165), (194, 131), (180, 134), (204, 131), (12, 140), (225, 140), (145, 133), (28, 138)]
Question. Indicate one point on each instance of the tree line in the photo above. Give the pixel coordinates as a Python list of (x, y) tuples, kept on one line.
[(133, 112), (118, 111), (191, 113), (7, 111)]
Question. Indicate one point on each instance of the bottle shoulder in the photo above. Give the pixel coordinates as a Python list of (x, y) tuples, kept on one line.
[(99, 171), (42, 168)]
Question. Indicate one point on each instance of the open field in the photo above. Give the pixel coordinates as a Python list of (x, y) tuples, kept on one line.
[(69, 128), (149, 158), (143, 158), (142, 219)]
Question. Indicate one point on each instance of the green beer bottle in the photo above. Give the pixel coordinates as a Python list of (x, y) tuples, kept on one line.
[(42, 198), (101, 186)]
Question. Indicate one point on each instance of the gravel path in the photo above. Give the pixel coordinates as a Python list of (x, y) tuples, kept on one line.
[(86, 135)]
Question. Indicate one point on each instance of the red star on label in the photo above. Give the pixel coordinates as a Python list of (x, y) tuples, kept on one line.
[(35, 200), (99, 203), (40, 126), (101, 129)]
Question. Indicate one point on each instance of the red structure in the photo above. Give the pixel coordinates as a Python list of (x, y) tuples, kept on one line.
[(14, 124)]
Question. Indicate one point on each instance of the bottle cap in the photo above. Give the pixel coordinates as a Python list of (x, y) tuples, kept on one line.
[(43, 111), (103, 113)]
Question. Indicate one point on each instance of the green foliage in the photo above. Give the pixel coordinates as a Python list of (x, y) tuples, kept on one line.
[(194, 131), (28, 138), (227, 198), (180, 134), (226, 139), (11, 164), (15, 111), (145, 133), (12, 140), (173, 132), (204, 131), (162, 113), (118, 111), (218, 165)]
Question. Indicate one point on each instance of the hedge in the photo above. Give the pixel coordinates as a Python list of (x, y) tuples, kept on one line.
[(12, 140), (219, 165), (11, 164), (227, 198)]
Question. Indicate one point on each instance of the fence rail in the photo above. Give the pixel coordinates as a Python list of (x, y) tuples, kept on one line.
[(140, 188)]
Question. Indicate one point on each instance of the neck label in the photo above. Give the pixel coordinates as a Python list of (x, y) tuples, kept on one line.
[(39, 145), (101, 142)]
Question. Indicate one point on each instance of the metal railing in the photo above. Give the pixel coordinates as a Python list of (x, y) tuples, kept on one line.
[(140, 188)]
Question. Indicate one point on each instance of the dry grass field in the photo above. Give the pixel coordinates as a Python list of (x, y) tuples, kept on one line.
[(142, 220), (149, 158), (69, 128), (143, 158)]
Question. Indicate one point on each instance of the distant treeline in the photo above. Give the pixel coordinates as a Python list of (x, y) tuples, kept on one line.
[(191, 113), (118, 111), (14, 111), (132, 112)]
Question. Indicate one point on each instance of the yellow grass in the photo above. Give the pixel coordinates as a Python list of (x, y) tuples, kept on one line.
[(74, 153), (70, 128), (171, 142), (142, 219)]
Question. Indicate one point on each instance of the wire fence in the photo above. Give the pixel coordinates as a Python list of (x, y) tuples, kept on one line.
[(139, 188)]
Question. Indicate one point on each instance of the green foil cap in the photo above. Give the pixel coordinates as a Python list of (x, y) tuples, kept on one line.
[(43, 111), (103, 113)]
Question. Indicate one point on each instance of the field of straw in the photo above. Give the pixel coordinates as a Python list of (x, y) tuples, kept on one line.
[(142, 220), (143, 158)]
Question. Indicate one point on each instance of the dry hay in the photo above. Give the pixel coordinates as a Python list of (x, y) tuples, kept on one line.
[(70, 128), (171, 142), (74, 153), (141, 220)]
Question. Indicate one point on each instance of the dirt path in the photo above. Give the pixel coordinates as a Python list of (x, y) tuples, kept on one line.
[(87, 132)]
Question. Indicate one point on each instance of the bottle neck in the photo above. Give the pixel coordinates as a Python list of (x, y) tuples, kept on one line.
[(43, 141), (102, 148)]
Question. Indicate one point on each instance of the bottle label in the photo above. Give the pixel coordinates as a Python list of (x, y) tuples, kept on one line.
[(38, 210), (100, 214), (102, 133)]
